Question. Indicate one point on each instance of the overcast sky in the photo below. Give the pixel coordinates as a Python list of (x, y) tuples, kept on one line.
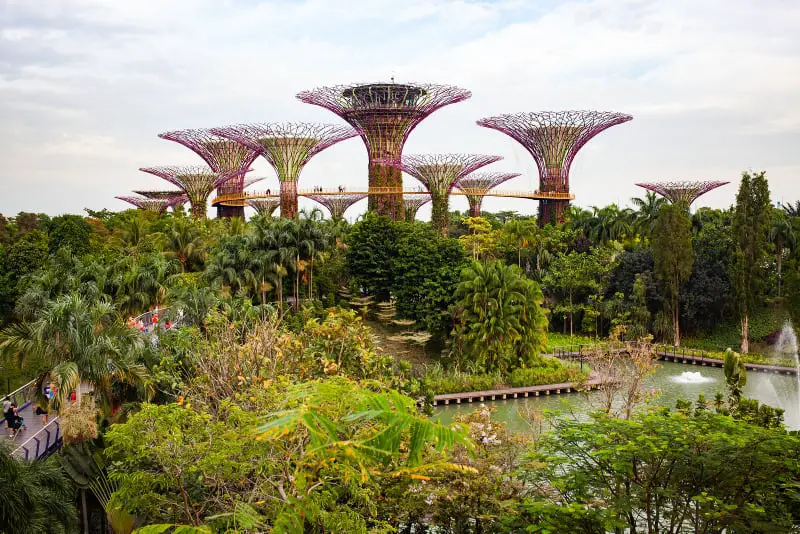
[(85, 86)]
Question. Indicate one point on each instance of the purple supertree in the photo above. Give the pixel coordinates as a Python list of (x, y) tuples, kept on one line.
[(412, 204), (157, 205), (384, 114), (338, 204), (439, 174), (476, 185), (196, 181), (553, 138), (686, 192), (263, 206), (287, 147), (223, 156), (175, 197)]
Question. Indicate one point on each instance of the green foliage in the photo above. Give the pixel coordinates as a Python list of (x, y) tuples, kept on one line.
[(69, 231), (547, 371), (735, 373), (34, 496), (751, 222), (673, 257), (500, 324), (371, 249), (662, 473)]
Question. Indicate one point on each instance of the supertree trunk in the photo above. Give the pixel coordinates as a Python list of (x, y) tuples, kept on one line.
[(389, 205), (440, 208), (289, 200), (198, 210), (474, 205)]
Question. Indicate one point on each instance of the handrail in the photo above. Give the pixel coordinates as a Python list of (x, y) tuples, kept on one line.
[(24, 392), (52, 438)]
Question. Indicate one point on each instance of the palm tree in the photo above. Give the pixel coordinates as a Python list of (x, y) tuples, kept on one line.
[(34, 496), (647, 209), (522, 233), (579, 219), (183, 242), (792, 210), (782, 234), (609, 223), (82, 341)]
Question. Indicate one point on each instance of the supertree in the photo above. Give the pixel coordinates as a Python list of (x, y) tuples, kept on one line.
[(223, 156), (196, 181), (176, 197), (439, 174), (157, 205), (287, 147), (686, 192), (384, 114), (412, 204), (554, 138), (476, 185), (263, 206), (338, 204)]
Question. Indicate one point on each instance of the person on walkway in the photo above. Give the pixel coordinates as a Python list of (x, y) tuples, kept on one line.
[(6, 404), (42, 412)]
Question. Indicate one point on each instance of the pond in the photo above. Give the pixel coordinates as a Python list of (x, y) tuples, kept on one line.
[(673, 380)]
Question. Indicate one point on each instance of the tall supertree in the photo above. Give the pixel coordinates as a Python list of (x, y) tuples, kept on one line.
[(412, 204), (196, 181), (384, 114), (686, 192), (263, 206), (157, 205), (476, 185), (223, 156), (439, 173), (287, 147), (554, 138), (338, 204)]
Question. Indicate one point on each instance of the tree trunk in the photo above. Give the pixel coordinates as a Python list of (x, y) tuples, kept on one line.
[(311, 278), (280, 294), (780, 263), (570, 313), (676, 325), (745, 334), (297, 283), (84, 513)]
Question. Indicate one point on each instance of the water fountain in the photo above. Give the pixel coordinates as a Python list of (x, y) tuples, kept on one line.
[(787, 346), (691, 377)]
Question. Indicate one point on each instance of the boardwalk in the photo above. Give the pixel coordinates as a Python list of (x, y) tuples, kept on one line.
[(512, 393)]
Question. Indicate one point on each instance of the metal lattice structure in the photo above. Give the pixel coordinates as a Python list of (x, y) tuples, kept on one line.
[(412, 204), (157, 205), (264, 206), (338, 204), (197, 182), (223, 156), (682, 191), (287, 147), (384, 114), (439, 174), (553, 138), (176, 197), (250, 181), (476, 185)]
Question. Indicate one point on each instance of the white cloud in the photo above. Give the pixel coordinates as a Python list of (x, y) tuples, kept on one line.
[(85, 85)]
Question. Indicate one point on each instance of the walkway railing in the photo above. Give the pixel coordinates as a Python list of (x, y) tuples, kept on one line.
[(149, 321), (41, 444), (23, 396)]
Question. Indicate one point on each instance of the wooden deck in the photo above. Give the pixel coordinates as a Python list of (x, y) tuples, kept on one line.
[(512, 393)]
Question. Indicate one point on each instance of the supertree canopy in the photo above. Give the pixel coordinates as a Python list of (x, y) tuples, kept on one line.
[(157, 205), (554, 138), (196, 181), (176, 197), (439, 173), (476, 185), (223, 156), (263, 206), (686, 192), (287, 147), (412, 204), (338, 204), (384, 114)]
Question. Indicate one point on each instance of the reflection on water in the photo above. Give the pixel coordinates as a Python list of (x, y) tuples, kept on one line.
[(674, 382)]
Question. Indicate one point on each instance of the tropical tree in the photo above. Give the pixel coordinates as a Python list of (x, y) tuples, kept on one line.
[(673, 256), (647, 210), (751, 224), (570, 274), (522, 233), (83, 342), (183, 241), (34, 496), (792, 210), (500, 323), (782, 235)]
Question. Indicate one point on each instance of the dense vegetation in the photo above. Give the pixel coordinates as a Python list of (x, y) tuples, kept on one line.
[(291, 390)]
